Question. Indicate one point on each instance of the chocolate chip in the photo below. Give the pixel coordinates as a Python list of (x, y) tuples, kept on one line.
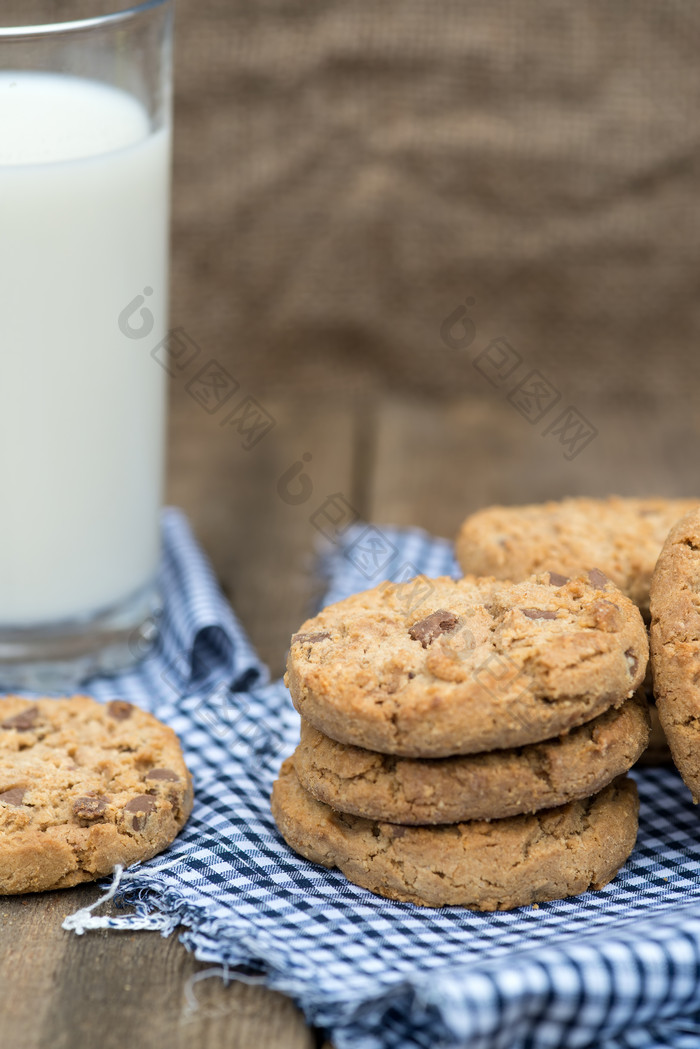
[(26, 719), (607, 615), (597, 578), (119, 709), (555, 579), (166, 774), (632, 661), (310, 639), (141, 803), (141, 806), (437, 623), (13, 796), (89, 808), (538, 613)]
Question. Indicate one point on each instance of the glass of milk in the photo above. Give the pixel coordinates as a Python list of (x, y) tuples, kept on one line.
[(84, 216)]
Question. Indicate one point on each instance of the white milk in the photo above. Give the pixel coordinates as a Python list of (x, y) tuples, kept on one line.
[(83, 231)]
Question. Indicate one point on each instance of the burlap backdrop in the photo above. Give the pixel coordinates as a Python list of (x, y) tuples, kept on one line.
[(347, 172)]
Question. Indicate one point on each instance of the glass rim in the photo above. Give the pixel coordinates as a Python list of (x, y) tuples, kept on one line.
[(56, 28)]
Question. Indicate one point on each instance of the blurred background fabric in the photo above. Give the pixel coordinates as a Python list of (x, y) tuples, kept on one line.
[(346, 175)]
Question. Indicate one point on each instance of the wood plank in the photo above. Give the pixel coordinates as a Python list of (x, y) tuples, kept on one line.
[(132, 989), (438, 462), (31, 956), (254, 522), (112, 989)]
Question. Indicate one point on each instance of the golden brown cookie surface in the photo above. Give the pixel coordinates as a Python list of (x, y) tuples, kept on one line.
[(622, 537), (479, 665), (478, 786), (675, 646), (84, 786)]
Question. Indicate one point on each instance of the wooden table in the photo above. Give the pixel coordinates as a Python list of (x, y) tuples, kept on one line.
[(394, 460)]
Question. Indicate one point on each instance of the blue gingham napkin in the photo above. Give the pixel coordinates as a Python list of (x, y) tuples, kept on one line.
[(616, 968)]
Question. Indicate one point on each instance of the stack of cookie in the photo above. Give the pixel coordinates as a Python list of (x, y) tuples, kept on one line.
[(471, 749), (621, 536)]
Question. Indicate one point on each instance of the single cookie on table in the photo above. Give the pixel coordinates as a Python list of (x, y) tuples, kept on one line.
[(485, 866), (417, 791), (621, 537), (675, 646), (479, 665), (84, 786)]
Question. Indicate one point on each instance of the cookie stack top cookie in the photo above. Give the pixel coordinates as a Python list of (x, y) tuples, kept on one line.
[(479, 665)]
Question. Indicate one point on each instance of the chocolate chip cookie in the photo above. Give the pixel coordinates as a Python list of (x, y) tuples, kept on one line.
[(84, 786), (622, 537), (474, 787), (477, 665), (675, 645), (485, 866)]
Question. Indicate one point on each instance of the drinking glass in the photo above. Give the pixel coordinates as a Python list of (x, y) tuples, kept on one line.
[(85, 122)]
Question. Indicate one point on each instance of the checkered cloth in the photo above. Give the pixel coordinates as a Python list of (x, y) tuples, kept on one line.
[(618, 968)]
